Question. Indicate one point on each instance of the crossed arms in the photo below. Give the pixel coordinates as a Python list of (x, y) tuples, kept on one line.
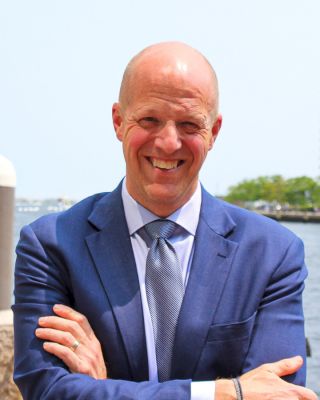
[(59, 333), (41, 278)]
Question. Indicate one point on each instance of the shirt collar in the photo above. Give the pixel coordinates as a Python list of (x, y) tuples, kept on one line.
[(137, 216)]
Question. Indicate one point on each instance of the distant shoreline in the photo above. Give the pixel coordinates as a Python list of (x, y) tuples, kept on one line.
[(292, 216)]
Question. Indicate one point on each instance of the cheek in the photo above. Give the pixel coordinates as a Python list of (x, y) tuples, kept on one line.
[(198, 146), (135, 140)]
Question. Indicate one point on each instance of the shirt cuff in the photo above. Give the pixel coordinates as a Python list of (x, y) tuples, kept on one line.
[(204, 390)]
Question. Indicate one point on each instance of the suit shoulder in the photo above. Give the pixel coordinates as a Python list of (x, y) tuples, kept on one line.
[(74, 215), (258, 224)]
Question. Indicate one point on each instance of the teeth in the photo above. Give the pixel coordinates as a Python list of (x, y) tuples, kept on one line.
[(164, 164)]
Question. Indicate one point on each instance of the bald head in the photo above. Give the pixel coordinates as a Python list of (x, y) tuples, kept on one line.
[(167, 120), (174, 62)]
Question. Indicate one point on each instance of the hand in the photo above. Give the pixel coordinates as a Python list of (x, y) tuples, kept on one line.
[(264, 382), (70, 337)]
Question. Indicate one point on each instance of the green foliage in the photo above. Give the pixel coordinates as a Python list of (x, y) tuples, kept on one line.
[(302, 192)]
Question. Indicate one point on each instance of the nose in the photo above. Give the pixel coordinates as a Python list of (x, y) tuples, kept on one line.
[(168, 139)]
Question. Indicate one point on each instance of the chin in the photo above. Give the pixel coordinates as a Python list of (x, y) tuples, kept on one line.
[(163, 192), (168, 197)]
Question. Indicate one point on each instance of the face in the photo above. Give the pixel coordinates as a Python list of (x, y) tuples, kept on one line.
[(166, 134)]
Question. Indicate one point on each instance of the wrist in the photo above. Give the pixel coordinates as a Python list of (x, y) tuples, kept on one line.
[(225, 390)]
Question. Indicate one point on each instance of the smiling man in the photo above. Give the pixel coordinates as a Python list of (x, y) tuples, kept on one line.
[(158, 290), (167, 120)]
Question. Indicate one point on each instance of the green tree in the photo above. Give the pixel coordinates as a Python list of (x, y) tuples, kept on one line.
[(303, 192), (268, 188), (300, 192)]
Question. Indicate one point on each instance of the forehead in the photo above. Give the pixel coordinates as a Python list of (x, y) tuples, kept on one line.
[(164, 105), (169, 88)]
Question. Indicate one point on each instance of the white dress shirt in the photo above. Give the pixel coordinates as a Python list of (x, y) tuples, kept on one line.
[(187, 218)]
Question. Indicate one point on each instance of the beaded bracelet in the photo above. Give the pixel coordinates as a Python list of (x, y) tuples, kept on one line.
[(238, 388)]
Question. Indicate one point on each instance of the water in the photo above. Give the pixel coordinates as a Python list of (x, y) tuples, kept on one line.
[(310, 234)]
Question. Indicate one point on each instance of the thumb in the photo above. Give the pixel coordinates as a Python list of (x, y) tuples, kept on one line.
[(285, 366)]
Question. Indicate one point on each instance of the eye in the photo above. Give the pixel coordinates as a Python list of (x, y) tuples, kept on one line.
[(189, 127), (148, 122)]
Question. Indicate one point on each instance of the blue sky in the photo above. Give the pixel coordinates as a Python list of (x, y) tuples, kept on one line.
[(61, 64)]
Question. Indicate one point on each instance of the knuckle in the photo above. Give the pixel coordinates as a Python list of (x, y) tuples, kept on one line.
[(91, 336), (264, 367), (69, 338), (80, 318), (73, 326), (92, 357), (84, 368), (64, 351), (95, 348)]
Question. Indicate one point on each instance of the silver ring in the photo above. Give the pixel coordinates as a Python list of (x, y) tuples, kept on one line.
[(75, 345)]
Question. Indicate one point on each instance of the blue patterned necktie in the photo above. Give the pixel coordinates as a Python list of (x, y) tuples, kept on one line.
[(165, 290)]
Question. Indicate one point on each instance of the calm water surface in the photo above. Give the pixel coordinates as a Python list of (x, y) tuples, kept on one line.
[(310, 234)]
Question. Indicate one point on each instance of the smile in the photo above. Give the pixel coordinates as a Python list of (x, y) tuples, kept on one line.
[(165, 164)]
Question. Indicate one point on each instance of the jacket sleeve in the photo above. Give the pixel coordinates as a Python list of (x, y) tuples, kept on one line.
[(39, 284), (279, 326)]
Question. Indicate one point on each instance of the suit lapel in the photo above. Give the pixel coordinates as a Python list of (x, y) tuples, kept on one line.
[(113, 256), (112, 253), (209, 271)]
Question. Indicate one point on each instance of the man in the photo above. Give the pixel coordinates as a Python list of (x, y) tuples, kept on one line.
[(123, 330)]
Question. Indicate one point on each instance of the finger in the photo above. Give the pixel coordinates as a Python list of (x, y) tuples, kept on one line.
[(74, 363), (305, 393), (64, 338), (69, 313), (309, 395), (62, 324), (64, 353), (285, 366)]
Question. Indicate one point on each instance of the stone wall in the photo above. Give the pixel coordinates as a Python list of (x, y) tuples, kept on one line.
[(8, 390)]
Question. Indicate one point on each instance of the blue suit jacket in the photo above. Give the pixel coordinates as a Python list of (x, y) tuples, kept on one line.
[(242, 305)]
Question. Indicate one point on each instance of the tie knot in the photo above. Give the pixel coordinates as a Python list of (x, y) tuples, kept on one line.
[(160, 228)]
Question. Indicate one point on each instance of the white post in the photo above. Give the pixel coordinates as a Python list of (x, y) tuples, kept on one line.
[(7, 189)]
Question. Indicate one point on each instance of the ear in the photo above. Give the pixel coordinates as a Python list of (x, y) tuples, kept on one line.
[(215, 130), (117, 120)]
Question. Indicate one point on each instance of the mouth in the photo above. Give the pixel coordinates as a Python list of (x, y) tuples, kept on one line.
[(165, 164)]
